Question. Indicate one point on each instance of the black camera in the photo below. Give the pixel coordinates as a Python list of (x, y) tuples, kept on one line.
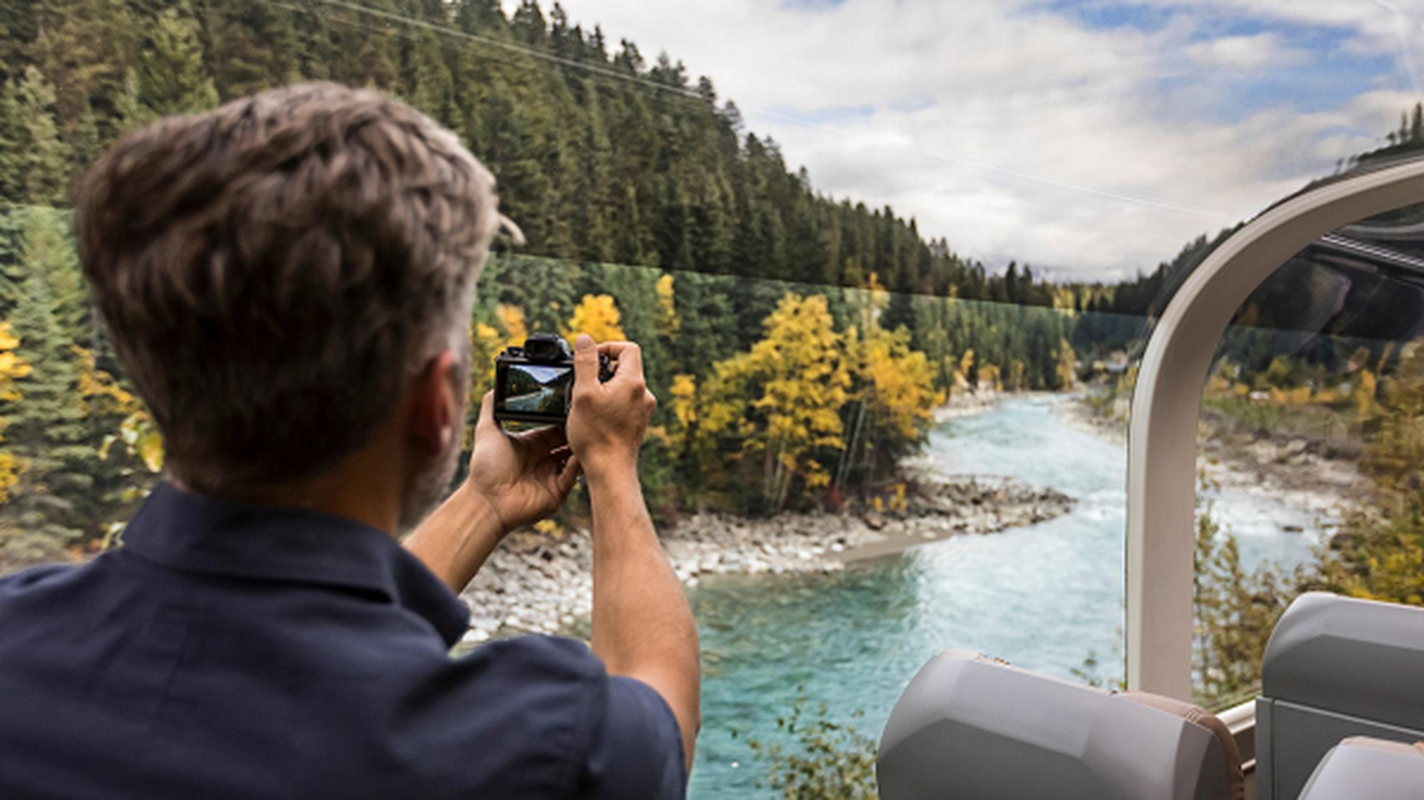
[(535, 383)]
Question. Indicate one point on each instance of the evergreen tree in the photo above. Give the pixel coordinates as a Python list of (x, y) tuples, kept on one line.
[(130, 112), (12, 176), (34, 163), (84, 49), (47, 433), (172, 76), (49, 254), (19, 27)]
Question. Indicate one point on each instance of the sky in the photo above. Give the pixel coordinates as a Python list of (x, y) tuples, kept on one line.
[(1091, 139)]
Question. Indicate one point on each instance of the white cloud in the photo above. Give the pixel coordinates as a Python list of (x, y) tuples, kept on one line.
[(1246, 52), (1021, 131)]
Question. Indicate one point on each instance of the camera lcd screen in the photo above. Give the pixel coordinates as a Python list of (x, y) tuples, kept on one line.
[(537, 389)]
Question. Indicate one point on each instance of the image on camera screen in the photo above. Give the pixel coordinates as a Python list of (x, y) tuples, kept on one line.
[(537, 388)]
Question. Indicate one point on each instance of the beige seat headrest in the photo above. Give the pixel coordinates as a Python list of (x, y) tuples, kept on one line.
[(1236, 778)]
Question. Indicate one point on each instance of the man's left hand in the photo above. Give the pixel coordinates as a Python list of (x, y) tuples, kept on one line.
[(524, 477)]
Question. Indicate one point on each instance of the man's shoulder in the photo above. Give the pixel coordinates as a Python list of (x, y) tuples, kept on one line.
[(551, 700), (41, 586), (536, 656), (524, 673), (34, 576)]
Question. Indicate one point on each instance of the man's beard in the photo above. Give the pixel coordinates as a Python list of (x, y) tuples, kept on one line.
[(428, 488)]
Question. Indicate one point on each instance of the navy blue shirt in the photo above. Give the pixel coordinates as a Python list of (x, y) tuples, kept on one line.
[(238, 651)]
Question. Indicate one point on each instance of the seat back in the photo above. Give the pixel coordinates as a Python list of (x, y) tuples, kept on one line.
[(973, 727), (1335, 667), (1373, 768)]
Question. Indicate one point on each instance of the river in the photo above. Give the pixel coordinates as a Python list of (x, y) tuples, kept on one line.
[(1045, 597)]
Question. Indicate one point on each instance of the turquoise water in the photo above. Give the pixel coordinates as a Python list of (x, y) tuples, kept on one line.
[(1044, 597)]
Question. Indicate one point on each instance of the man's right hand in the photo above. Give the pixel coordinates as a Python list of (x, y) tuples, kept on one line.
[(607, 421), (642, 625)]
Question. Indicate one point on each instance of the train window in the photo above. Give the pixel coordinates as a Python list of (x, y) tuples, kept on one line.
[(1314, 401), (895, 382)]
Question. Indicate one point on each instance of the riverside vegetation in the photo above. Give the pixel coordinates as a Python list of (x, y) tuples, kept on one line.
[(800, 343)]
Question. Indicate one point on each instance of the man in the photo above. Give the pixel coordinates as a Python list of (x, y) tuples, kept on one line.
[(288, 281)]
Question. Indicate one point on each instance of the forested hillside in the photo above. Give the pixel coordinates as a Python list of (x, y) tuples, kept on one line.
[(800, 342), (601, 154)]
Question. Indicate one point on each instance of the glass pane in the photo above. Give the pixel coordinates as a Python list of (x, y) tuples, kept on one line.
[(880, 433), (965, 492), (1309, 465)]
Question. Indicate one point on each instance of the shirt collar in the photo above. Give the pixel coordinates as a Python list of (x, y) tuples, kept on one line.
[(198, 533)]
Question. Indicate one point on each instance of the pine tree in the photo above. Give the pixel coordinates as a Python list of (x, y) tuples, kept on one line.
[(480, 16), (86, 140), (253, 45), (19, 27), (34, 163), (12, 136), (433, 88), (130, 111), (49, 253), (83, 51), (13, 223), (172, 76)]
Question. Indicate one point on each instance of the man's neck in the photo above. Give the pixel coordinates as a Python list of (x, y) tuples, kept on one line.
[(364, 487)]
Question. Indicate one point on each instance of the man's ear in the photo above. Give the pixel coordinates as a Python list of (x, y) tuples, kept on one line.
[(434, 408)]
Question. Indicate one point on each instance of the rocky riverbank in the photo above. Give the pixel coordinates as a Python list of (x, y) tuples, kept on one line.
[(543, 583), (1306, 474)]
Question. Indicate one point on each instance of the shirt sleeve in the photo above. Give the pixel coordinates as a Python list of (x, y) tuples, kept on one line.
[(636, 750)]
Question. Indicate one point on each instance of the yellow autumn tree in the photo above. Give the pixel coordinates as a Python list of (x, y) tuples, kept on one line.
[(1365, 392), (900, 384), (783, 398), (1066, 369), (989, 377), (964, 371), (683, 407), (669, 323), (511, 322), (101, 397), (894, 399), (596, 315), (487, 341), (11, 368)]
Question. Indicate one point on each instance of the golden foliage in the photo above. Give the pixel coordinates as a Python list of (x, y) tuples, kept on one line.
[(487, 341), (783, 398), (989, 377), (1067, 367), (596, 315), (899, 382), (511, 321), (964, 374), (669, 322), (100, 393), (141, 437), (683, 406), (10, 470), (97, 386), (1365, 393), (12, 366)]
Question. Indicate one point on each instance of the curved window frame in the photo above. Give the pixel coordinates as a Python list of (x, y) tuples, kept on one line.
[(1162, 431)]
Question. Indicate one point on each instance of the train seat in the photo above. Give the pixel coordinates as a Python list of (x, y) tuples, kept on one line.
[(974, 727)]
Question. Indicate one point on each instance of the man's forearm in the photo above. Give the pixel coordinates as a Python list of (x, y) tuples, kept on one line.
[(455, 541), (642, 625)]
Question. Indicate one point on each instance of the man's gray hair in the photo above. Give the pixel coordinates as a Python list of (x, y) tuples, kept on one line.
[(274, 272)]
